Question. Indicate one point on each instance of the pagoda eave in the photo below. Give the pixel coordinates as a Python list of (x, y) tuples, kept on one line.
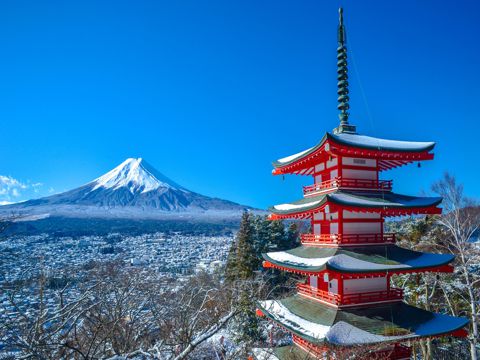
[(328, 147), (383, 323), (384, 203), (457, 333), (306, 351), (387, 212), (357, 260), (446, 268)]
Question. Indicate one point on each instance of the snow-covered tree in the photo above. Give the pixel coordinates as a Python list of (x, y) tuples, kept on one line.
[(460, 221)]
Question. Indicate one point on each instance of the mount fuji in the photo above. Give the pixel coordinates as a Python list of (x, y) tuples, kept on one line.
[(134, 189)]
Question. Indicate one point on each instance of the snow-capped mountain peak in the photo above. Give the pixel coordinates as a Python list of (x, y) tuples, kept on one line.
[(137, 176)]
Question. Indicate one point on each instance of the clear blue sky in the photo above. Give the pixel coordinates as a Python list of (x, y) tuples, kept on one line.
[(210, 92)]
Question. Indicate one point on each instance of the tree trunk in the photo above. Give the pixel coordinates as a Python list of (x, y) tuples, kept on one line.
[(429, 350), (473, 308), (474, 335)]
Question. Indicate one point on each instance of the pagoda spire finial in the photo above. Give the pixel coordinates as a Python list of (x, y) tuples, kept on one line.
[(342, 77)]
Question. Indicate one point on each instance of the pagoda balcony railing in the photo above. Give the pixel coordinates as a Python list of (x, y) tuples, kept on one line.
[(347, 239), (393, 294), (311, 348), (308, 290), (395, 353), (339, 182)]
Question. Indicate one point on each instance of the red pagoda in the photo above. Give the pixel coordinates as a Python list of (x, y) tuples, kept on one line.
[(348, 260)]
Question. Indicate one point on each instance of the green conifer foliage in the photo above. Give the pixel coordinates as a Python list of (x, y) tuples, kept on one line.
[(246, 256), (242, 259)]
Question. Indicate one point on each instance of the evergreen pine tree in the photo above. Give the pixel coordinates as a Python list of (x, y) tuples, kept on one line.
[(246, 257), (231, 266), (291, 239), (243, 259), (277, 236), (255, 236), (242, 263), (262, 237)]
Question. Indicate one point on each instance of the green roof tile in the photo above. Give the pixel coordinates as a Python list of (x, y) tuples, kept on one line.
[(356, 325)]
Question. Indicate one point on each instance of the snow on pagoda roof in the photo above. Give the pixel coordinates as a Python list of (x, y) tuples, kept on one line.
[(359, 141), (265, 354), (318, 323), (361, 199), (282, 352), (356, 259), (380, 144)]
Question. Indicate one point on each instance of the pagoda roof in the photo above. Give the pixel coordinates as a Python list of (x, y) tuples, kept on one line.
[(283, 352), (368, 142), (378, 148), (364, 201), (394, 322), (361, 259)]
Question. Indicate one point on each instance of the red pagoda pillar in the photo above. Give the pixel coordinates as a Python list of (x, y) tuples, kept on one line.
[(347, 261)]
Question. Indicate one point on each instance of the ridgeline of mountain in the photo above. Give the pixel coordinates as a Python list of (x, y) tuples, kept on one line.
[(134, 189)]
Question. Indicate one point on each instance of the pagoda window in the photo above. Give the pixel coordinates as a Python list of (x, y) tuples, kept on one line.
[(357, 215), (333, 162), (330, 215), (319, 167), (318, 283), (318, 216), (333, 174), (359, 174), (354, 286), (359, 162), (362, 228), (333, 286), (333, 228)]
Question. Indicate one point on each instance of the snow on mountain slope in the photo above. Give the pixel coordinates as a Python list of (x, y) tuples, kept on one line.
[(136, 175), (132, 189)]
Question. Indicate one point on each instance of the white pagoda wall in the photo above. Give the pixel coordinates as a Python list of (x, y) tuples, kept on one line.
[(353, 286), (326, 165), (367, 174), (317, 227), (359, 174), (362, 227), (318, 168), (359, 162), (322, 173)]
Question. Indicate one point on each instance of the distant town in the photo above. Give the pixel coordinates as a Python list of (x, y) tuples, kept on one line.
[(67, 259)]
